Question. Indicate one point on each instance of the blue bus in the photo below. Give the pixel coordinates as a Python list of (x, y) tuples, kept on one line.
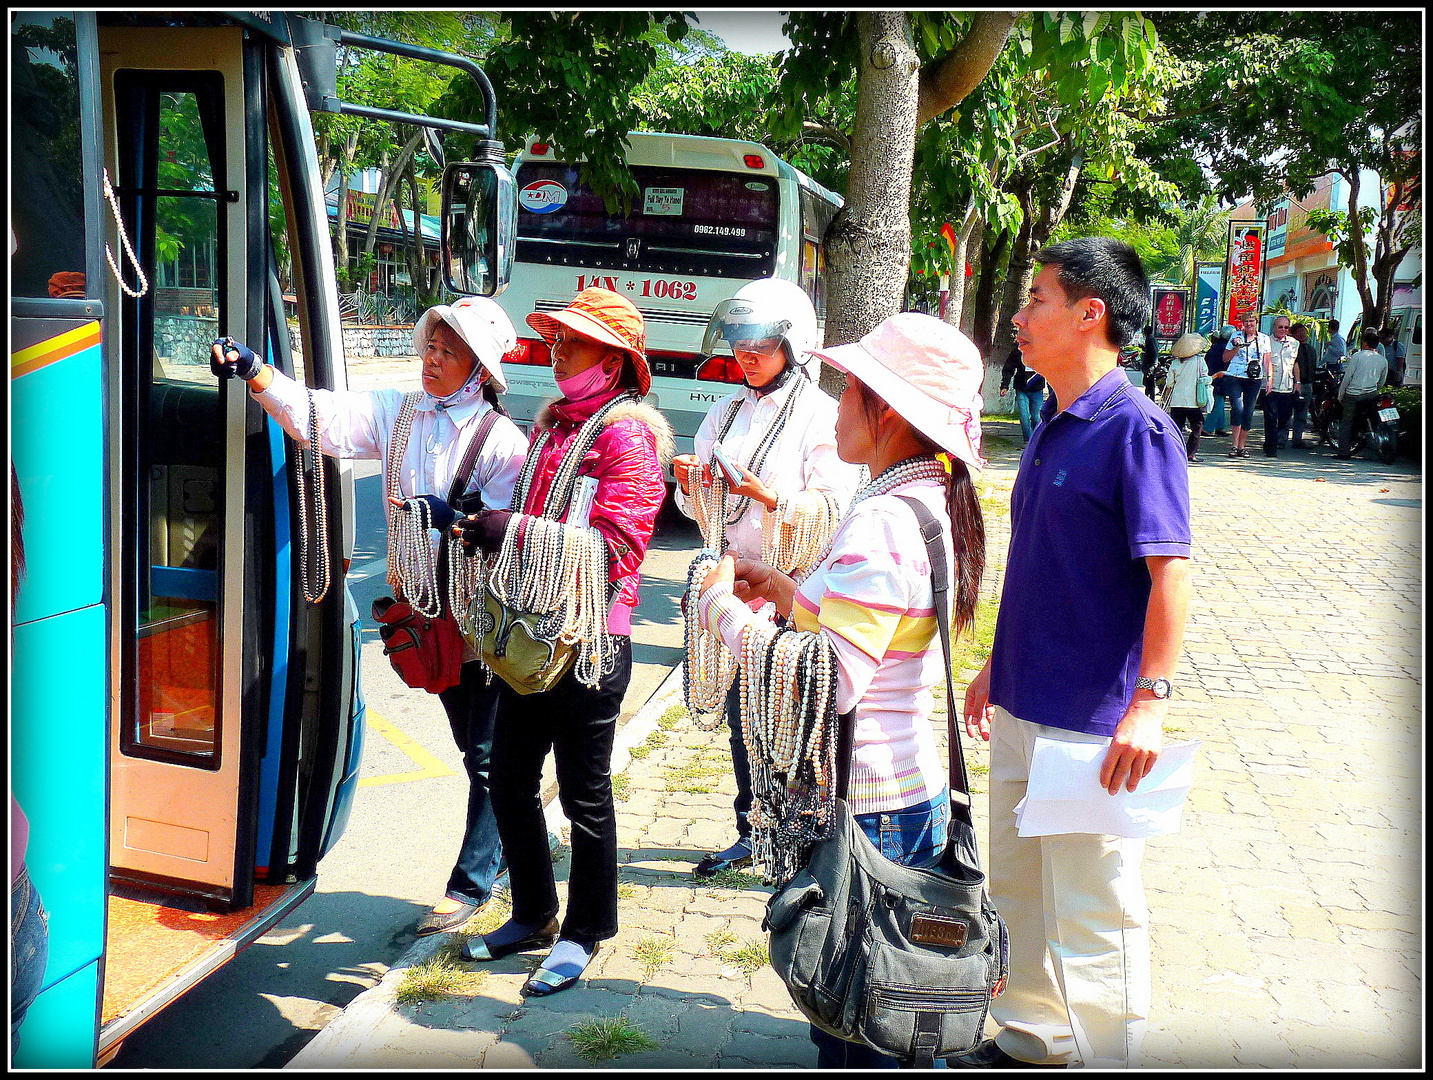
[(186, 721)]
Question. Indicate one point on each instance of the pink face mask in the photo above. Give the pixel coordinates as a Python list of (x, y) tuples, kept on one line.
[(589, 383)]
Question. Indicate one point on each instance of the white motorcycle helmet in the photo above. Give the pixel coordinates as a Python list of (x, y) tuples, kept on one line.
[(763, 311)]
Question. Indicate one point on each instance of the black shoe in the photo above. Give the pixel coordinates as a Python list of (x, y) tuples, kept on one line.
[(989, 1056), (1221, 434), (736, 857), (433, 923), (479, 949), (1194, 460)]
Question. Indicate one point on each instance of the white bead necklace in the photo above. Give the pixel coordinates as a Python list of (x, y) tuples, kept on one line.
[(314, 565)]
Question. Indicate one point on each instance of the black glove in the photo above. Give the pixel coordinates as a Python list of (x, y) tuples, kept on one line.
[(230, 359), (440, 514), (484, 530)]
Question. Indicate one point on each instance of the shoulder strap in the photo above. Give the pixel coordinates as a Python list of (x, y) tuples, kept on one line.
[(940, 583), (470, 459)]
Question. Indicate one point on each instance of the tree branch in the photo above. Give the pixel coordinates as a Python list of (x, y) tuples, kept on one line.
[(829, 133), (944, 83)]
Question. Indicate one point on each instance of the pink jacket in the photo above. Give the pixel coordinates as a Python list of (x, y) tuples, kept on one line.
[(627, 460)]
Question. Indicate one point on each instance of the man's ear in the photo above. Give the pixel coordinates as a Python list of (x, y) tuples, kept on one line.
[(1094, 314)]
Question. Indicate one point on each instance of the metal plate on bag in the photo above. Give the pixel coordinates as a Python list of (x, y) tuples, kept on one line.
[(938, 930), (1388, 414)]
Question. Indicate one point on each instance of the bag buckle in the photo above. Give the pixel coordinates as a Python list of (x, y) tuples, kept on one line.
[(938, 930)]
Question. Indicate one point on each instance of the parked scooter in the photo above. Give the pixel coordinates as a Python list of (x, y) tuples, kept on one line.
[(1375, 423)]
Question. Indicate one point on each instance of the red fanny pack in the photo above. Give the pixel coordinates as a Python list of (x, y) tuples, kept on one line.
[(426, 653)]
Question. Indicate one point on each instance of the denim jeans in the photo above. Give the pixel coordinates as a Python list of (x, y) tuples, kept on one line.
[(740, 764), (912, 836), (1028, 404), (1217, 417), (577, 723), (472, 711), (30, 945), (1243, 393)]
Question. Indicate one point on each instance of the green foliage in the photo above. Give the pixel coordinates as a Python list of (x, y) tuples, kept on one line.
[(654, 951), (609, 1037), (436, 978), (1409, 400)]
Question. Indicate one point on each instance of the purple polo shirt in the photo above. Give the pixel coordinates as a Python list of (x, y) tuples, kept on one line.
[(1101, 486)]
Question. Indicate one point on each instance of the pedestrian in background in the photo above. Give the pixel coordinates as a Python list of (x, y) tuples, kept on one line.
[(912, 399), (1395, 352), (1281, 385), (1149, 360), (1363, 375), (599, 362), (1215, 364), (1335, 350), (460, 349), (1304, 403), (1029, 389), (1182, 389), (780, 431), (1247, 355), (1086, 642)]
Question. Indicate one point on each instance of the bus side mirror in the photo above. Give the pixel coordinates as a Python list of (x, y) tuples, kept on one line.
[(479, 227)]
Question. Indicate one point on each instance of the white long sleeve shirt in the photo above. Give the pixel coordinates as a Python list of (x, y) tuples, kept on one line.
[(1363, 373), (359, 424), (1185, 375), (1282, 373), (802, 458)]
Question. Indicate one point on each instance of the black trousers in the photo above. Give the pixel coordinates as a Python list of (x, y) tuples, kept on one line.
[(472, 712), (1278, 408), (577, 723), (1193, 420)]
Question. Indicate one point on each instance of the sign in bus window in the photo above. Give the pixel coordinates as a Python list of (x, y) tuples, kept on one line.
[(663, 201)]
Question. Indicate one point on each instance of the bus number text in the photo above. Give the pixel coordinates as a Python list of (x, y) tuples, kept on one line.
[(661, 288)]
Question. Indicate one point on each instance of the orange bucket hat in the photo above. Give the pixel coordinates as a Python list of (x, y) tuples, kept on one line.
[(604, 316)]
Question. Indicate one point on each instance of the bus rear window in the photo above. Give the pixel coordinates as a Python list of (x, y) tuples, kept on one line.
[(683, 221)]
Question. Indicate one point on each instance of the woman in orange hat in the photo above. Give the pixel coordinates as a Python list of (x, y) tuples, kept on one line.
[(618, 448)]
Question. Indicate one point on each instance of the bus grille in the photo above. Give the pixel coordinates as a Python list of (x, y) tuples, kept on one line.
[(676, 318)]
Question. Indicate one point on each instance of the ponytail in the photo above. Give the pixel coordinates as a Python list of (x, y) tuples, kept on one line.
[(967, 525), (490, 393)]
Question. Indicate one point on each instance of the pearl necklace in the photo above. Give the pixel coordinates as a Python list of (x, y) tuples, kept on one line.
[(314, 564)]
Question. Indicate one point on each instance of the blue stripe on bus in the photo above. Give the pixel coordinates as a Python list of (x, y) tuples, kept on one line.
[(279, 651)]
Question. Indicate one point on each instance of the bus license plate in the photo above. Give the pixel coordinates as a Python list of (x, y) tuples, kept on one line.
[(1388, 414)]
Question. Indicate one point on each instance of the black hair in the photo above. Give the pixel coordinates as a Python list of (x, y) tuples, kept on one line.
[(628, 377), (491, 393), (967, 523), (1333, 326), (1370, 337), (1109, 269)]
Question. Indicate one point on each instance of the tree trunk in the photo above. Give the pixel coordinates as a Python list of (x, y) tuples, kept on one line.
[(1359, 269), (955, 306), (967, 284), (392, 176), (992, 261), (868, 246), (1018, 273), (1054, 211)]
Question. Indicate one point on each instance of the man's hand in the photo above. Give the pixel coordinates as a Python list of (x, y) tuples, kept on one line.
[(1136, 745), (978, 710)]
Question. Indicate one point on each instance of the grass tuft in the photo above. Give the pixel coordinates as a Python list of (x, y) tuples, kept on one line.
[(627, 891), (733, 879), (751, 955), (609, 1037), (438, 977), (654, 950), (674, 715), (718, 940), (621, 787)]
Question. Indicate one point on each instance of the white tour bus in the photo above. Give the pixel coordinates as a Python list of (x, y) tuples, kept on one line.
[(709, 215)]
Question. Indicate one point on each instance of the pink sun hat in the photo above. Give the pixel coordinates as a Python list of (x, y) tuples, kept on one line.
[(928, 372)]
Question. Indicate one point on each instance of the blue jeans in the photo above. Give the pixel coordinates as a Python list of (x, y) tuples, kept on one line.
[(912, 836), (1216, 420), (472, 713), (740, 764), (30, 941), (1028, 404), (1243, 393)]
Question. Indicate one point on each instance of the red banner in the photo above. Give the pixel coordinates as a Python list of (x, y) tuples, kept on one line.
[(1171, 309), (1244, 270)]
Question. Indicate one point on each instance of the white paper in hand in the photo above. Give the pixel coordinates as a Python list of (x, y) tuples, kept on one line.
[(1064, 794)]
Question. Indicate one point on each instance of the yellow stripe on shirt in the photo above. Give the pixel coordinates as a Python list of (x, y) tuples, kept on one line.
[(876, 633)]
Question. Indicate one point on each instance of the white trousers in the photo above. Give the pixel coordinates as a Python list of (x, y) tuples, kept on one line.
[(1078, 990)]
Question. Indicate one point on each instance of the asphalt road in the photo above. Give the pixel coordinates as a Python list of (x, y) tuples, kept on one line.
[(393, 861)]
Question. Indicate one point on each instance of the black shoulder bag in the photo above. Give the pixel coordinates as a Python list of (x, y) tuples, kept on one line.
[(904, 960)]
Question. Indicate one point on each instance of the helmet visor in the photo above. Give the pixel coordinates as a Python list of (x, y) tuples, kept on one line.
[(738, 324)]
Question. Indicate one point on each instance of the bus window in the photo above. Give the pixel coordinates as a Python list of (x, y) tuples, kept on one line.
[(169, 169), (683, 221), (816, 215), (46, 193)]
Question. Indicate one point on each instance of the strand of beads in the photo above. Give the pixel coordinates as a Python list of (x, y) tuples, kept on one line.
[(466, 580), (708, 666), (417, 564), (397, 447), (797, 530), (314, 567)]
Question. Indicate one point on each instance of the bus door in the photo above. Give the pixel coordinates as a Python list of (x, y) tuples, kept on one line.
[(175, 148)]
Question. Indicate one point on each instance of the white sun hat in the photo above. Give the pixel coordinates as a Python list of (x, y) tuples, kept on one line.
[(928, 372), (1190, 345), (483, 326)]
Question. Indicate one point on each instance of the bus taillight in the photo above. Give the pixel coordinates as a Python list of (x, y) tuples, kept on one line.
[(538, 148), (528, 351), (721, 369), (755, 161)]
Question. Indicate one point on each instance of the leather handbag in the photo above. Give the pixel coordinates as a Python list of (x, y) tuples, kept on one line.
[(901, 959), (427, 651)]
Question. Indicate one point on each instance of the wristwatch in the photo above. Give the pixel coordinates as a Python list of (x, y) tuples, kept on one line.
[(1161, 688)]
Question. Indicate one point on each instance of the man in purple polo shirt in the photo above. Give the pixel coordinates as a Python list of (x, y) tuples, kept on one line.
[(1086, 642)]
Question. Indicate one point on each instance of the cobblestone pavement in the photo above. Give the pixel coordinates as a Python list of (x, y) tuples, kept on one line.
[(1285, 914)]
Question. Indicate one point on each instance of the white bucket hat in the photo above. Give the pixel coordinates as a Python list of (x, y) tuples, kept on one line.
[(928, 372), (484, 327)]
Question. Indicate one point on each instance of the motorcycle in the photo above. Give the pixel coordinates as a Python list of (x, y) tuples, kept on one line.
[(1375, 423)]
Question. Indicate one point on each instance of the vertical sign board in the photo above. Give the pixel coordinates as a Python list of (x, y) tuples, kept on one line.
[(1244, 270), (1206, 301), (1170, 304)]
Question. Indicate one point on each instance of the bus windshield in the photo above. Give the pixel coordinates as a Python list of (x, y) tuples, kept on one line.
[(695, 222)]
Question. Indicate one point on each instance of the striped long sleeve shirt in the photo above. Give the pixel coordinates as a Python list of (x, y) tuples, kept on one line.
[(871, 597)]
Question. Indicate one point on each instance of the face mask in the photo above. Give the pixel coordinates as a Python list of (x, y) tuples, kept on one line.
[(589, 383)]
